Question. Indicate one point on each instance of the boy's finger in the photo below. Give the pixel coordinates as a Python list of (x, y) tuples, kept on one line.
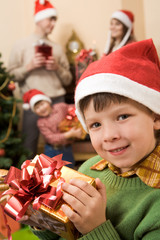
[(84, 186), (75, 192), (101, 188)]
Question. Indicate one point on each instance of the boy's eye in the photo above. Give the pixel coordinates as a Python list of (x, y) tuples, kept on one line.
[(123, 117), (94, 125)]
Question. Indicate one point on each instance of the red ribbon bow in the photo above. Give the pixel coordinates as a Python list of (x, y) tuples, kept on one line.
[(71, 113), (84, 54), (35, 187)]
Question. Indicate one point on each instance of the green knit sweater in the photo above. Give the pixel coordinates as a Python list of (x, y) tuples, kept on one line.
[(133, 208)]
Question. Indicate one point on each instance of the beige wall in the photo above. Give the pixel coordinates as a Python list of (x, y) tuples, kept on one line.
[(152, 21), (89, 18), (137, 7)]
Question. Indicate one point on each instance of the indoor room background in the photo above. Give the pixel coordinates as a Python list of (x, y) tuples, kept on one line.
[(88, 18)]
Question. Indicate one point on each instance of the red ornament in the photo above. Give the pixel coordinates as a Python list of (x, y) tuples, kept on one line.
[(2, 152), (11, 86)]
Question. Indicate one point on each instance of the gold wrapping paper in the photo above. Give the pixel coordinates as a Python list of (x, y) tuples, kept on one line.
[(55, 220), (67, 124)]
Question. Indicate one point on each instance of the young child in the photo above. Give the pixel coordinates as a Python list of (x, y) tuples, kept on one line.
[(49, 119), (118, 102)]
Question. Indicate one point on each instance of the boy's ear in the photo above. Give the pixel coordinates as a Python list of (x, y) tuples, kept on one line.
[(156, 121)]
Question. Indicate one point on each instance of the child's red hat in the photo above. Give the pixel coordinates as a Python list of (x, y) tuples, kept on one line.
[(31, 97), (132, 71)]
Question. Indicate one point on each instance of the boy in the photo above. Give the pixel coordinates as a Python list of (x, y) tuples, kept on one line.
[(118, 102), (49, 119)]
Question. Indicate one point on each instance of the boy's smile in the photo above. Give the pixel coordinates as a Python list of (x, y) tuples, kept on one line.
[(122, 133)]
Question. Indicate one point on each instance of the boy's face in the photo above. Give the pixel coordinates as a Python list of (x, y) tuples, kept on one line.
[(43, 108), (122, 133)]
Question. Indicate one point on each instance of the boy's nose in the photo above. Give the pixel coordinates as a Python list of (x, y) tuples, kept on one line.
[(110, 133)]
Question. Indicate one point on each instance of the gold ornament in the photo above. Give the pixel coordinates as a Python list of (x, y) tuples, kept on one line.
[(73, 46)]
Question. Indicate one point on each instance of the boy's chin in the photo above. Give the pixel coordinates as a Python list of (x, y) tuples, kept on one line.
[(44, 115)]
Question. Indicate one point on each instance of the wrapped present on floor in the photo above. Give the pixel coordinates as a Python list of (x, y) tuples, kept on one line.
[(83, 59), (71, 121), (35, 190)]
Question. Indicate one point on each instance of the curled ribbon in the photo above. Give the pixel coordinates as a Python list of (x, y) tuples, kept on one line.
[(26, 188)]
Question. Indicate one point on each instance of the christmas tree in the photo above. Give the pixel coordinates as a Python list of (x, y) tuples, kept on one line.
[(12, 151)]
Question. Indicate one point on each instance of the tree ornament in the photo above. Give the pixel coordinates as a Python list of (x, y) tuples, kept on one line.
[(74, 46), (2, 152), (11, 86)]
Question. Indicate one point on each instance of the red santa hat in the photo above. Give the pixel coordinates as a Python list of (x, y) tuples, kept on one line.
[(132, 71), (127, 18), (44, 9), (33, 96)]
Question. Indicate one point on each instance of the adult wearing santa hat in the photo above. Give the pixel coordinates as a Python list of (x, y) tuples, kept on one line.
[(37, 62), (121, 30)]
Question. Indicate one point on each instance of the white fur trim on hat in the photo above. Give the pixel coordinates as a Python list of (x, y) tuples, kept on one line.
[(26, 106), (36, 98), (121, 16), (46, 13), (42, 2), (113, 83), (127, 22)]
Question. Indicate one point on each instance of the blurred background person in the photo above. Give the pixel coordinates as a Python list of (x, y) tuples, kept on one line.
[(121, 31), (37, 62)]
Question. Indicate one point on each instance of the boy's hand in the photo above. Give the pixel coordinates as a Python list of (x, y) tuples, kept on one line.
[(51, 64), (88, 203), (37, 61), (74, 133)]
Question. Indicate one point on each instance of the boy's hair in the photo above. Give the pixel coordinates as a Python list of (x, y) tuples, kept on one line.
[(102, 100), (39, 102)]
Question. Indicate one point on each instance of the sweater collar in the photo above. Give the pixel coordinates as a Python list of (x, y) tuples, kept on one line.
[(148, 170)]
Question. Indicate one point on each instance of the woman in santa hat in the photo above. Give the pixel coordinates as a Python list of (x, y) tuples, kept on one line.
[(121, 31)]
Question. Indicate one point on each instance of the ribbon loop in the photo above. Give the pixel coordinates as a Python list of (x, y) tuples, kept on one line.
[(31, 184)]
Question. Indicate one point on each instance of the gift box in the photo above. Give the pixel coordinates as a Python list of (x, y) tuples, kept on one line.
[(71, 121), (3, 173), (44, 48), (36, 191), (14, 226)]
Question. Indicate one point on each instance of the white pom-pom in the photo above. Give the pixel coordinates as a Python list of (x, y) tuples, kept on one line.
[(42, 2), (26, 106)]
